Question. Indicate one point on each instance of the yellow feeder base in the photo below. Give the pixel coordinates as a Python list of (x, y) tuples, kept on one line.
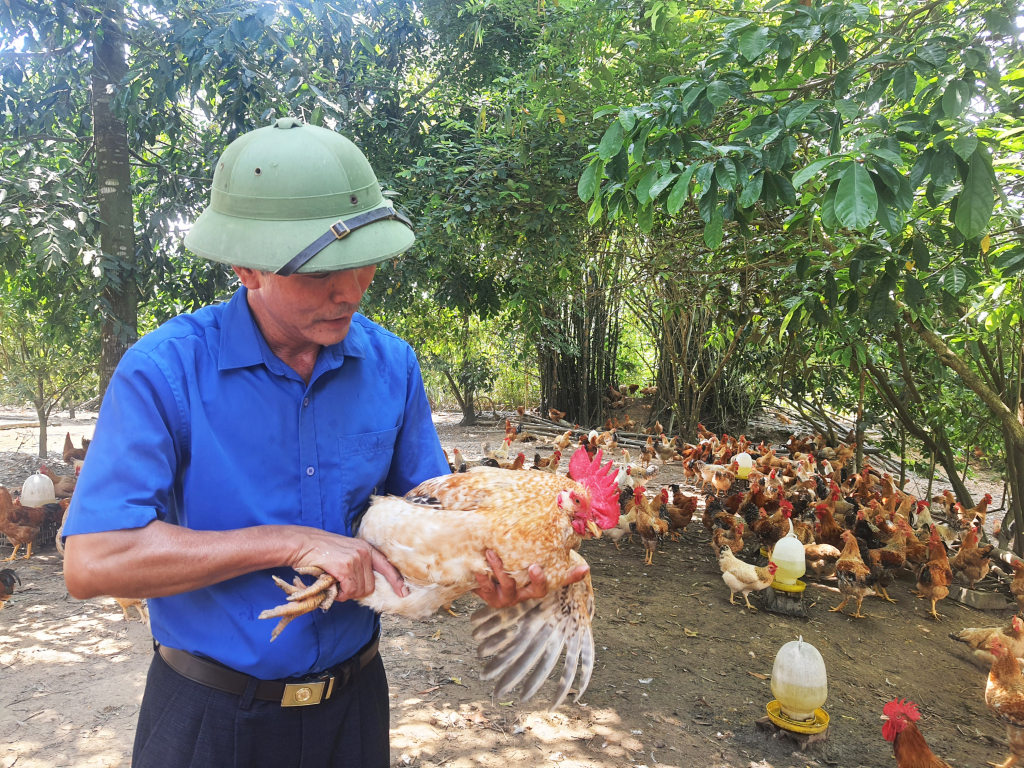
[(764, 552), (795, 588), (809, 727)]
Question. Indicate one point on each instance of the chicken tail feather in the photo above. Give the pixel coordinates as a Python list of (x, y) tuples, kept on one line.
[(527, 640)]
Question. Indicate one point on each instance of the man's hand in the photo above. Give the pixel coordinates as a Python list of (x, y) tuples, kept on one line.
[(351, 561), (504, 593)]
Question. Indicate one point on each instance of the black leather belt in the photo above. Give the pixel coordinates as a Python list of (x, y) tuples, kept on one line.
[(298, 694)]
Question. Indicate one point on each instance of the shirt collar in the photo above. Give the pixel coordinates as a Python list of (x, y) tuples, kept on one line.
[(241, 344)]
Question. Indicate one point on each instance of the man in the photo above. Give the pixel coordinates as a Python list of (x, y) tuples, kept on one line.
[(245, 440)]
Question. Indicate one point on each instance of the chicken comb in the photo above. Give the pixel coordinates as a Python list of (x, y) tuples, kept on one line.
[(898, 707), (600, 482)]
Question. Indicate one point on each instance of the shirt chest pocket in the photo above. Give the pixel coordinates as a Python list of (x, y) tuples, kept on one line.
[(364, 460)]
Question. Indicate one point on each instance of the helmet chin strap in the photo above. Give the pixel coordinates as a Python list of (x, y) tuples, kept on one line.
[(338, 231)]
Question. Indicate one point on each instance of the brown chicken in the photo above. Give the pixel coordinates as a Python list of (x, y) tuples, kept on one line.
[(1012, 636), (980, 511), (550, 463), (917, 550), (830, 532), (733, 539), (1004, 696), (63, 486), (7, 579), (648, 524), (138, 605), (972, 560), (1017, 585), (516, 464), (17, 526), (852, 574), (680, 512), (886, 561), (770, 530), (908, 745), (935, 576), (555, 415), (821, 559), (74, 455)]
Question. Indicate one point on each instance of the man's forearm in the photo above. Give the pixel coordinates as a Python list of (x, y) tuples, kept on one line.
[(163, 559)]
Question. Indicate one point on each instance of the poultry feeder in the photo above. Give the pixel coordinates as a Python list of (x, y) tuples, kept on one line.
[(800, 687), (786, 595), (37, 491), (745, 464)]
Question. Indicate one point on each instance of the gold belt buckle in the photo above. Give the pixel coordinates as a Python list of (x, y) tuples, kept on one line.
[(305, 694)]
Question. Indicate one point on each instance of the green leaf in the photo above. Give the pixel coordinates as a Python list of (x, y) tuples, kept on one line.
[(904, 83), (645, 218), (955, 279), (974, 206), (856, 202), (799, 113), (913, 292), (718, 93), (611, 142), (801, 176), (752, 191), (919, 250), (789, 317), (713, 231), (661, 185), (594, 214), (628, 119), (802, 265), (590, 179), (840, 47), (828, 208), (643, 187), (965, 146), (1010, 262), (725, 174), (831, 289), (856, 267), (955, 98), (681, 190), (753, 43)]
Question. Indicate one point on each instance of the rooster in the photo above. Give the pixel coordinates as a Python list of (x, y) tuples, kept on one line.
[(679, 512), (648, 524), (1004, 696), (908, 745), (549, 464), (74, 455), (524, 517)]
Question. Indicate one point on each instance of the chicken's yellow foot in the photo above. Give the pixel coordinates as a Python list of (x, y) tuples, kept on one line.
[(839, 608)]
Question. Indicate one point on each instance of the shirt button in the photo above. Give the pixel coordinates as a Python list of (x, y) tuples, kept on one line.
[(305, 402), (310, 471)]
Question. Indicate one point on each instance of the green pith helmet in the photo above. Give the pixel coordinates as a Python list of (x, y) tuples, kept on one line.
[(297, 198)]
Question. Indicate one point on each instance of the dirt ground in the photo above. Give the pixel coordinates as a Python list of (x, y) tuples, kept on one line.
[(73, 672)]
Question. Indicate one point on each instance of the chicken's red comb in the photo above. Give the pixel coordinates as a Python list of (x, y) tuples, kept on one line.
[(600, 482), (898, 707)]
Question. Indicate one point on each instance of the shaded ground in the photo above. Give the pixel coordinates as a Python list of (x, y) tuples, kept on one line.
[(73, 673)]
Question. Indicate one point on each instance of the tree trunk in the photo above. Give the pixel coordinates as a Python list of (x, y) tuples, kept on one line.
[(113, 176), (41, 416)]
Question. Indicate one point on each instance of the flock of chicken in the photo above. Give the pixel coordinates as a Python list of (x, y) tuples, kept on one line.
[(856, 527), (22, 524)]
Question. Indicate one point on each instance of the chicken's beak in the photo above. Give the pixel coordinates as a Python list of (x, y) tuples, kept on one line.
[(885, 717), (594, 528)]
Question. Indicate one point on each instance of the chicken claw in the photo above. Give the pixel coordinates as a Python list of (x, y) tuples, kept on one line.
[(293, 609), (332, 595), (320, 585)]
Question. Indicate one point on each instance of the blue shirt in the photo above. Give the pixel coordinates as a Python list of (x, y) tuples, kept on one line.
[(203, 426)]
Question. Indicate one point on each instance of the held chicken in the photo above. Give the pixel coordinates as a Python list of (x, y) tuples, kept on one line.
[(1004, 696), (908, 745), (743, 577), (7, 579), (526, 518)]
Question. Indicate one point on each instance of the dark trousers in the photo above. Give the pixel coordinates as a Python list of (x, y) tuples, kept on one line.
[(183, 724)]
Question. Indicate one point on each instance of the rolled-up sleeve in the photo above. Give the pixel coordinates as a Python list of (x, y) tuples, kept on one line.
[(128, 477), (417, 455)]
